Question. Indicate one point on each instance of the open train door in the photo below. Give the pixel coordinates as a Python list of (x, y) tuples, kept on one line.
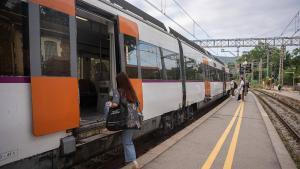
[(54, 85), (96, 60)]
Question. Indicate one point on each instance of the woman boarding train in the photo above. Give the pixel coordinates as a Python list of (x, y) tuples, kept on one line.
[(125, 92)]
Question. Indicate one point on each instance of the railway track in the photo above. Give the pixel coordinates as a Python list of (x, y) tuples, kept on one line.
[(286, 120), (289, 117)]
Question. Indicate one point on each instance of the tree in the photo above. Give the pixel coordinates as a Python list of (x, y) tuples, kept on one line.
[(291, 61), (296, 61)]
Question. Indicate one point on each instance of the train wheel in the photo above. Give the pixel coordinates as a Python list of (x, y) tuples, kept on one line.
[(190, 113), (167, 123), (177, 116), (180, 117)]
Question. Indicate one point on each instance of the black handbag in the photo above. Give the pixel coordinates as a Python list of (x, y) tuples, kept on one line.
[(117, 117)]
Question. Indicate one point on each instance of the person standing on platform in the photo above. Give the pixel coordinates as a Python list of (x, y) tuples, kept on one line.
[(246, 87), (242, 88), (232, 88)]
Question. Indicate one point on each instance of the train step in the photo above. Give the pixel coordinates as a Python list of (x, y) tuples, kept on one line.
[(89, 130), (102, 135)]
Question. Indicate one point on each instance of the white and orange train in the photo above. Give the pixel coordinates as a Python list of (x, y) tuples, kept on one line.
[(58, 62)]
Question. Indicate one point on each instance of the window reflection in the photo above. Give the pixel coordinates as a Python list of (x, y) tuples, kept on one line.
[(193, 69), (14, 43), (170, 65), (131, 56), (150, 61), (55, 42)]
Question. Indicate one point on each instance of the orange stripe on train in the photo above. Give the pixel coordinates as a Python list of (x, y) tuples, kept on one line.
[(128, 27), (207, 88), (55, 104), (138, 88), (65, 6)]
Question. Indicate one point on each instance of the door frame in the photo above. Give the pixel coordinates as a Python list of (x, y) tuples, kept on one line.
[(111, 27)]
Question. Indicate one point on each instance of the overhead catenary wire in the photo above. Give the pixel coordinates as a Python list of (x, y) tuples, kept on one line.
[(151, 4), (179, 25), (296, 20), (194, 22)]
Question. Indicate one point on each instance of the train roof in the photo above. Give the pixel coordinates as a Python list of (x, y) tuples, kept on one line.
[(193, 44), (178, 35), (128, 6), (218, 60)]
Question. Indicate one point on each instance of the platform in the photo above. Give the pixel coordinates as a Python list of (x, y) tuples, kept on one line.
[(237, 135)]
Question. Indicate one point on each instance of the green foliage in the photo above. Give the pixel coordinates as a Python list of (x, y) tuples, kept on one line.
[(295, 62), (291, 62)]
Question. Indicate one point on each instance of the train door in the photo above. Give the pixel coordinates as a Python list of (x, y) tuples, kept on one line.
[(224, 80), (207, 81), (54, 87), (95, 63)]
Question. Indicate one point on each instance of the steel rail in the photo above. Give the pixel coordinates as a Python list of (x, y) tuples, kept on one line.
[(282, 120), (282, 102)]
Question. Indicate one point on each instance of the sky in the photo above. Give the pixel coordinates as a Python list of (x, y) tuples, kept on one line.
[(226, 18)]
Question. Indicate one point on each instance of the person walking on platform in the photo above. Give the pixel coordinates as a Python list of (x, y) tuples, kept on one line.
[(126, 92)]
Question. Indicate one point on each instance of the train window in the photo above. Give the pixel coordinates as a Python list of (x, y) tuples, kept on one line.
[(218, 78), (170, 65), (222, 74), (201, 70), (14, 43), (216, 75), (192, 69), (211, 73), (150, 61), (227, 76), (55, 42), (131, 56)]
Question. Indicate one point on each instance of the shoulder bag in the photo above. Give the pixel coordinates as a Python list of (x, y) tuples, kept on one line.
[(117, 117), (134, 118)]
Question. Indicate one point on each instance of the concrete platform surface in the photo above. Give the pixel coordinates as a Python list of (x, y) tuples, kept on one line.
[(235, 136)]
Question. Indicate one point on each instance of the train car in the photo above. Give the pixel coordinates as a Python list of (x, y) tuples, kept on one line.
[(58, 63)]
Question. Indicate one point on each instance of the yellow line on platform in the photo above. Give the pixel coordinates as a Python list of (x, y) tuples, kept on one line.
[(231, 151), (212, 156)]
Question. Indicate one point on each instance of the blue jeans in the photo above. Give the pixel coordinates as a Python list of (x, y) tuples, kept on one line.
[(105, 111), (128, 146)]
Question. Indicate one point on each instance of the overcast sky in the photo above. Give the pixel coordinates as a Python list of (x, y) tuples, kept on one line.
[(227, 18)]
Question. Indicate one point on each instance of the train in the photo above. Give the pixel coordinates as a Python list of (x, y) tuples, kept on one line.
[(58, 63)]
